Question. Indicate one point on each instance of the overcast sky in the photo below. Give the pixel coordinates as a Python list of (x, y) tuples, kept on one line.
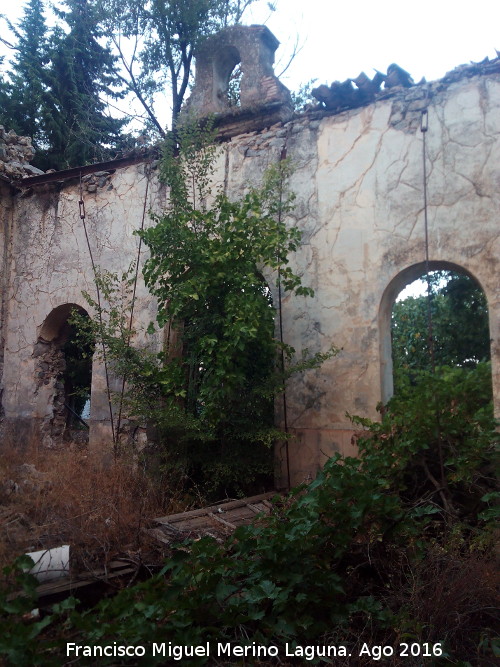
[(340, 39)]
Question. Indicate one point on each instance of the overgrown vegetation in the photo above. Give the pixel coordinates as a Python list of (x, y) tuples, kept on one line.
[(395, 548), (208, 395), (58, 86), (372, 553), (53, 497), (76, 81), (459, 326)]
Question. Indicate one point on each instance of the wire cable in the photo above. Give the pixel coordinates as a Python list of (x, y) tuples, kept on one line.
[(131, 319), (81, 205)]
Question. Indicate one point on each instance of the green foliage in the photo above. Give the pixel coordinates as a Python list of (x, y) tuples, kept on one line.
[(63, 82), (56, 87), (439, 438), (369, 552), (459, 326), (208, 256), (24, 93), (163, 36), (279, 580), (303, 96), (20, 620), (78, 373), (82, 74), (209, 394)]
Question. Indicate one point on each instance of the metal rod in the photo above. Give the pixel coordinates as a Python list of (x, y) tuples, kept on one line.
[(283, 156), (131, 320), (77, 172), (424, 125), (75, 414), (81, 204)]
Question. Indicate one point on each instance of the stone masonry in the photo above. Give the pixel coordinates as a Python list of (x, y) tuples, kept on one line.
[(358, 181)]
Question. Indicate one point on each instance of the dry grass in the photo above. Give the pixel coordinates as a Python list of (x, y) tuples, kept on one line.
[(453, 596), (54, 497)]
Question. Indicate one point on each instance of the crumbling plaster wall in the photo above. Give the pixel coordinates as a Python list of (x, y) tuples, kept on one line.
[(358, 182), (6, 211), (359, 185), (51, 267)]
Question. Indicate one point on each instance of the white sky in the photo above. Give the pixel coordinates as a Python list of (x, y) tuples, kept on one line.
[(416, 288), (340, 39)]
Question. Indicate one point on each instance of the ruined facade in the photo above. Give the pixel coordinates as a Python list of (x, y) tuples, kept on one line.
[(358, 182)]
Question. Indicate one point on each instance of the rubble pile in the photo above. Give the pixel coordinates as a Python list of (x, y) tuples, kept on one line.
[(354, 93), (15, 155), (358, 92)]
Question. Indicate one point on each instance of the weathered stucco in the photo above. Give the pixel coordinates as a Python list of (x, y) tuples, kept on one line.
[(358, 182), (50, 266)]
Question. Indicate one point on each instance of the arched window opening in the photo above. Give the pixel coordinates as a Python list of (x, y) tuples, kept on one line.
[(224, 389), (77, 379), (64, 370), (443, 324), (227, 77), (459, 317)]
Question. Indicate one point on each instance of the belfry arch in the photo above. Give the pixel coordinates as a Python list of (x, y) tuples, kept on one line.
[(252, 47)]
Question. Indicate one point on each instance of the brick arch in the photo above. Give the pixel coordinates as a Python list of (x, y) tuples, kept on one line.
[(396, 285), (226, 58)]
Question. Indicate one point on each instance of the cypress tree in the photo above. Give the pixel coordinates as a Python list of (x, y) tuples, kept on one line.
[(24, 94), (82, 75)]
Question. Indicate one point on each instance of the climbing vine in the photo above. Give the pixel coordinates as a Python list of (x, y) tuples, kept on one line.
[(209, 394)]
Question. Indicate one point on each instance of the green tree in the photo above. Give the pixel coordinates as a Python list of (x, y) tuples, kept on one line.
[(211, 398), (24, 92), (460, 329), (82, 75)]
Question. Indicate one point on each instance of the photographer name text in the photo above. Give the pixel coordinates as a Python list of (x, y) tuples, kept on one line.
[(252, 650)]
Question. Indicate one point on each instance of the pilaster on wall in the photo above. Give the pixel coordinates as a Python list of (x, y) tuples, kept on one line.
[(5, 240)]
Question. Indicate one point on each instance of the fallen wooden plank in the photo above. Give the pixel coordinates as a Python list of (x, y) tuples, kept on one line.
[(237, 515), (219, 519), (259, 508), (158, 534), (223, 506), (69, 584), (214, 520)]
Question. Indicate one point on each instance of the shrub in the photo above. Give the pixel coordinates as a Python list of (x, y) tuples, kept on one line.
[(371, 552)]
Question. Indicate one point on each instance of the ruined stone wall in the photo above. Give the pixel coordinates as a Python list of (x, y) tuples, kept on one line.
[(51, 268), (358, 180), (16, 152), (359, 185), (5, 229)]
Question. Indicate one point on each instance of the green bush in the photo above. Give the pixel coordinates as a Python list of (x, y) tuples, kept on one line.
[(208, 395), (379, 549)]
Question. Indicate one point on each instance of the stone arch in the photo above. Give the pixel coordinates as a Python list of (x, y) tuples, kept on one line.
[(396, 285), (252, 46), (55, 364), (55, 324), (224, 62)]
